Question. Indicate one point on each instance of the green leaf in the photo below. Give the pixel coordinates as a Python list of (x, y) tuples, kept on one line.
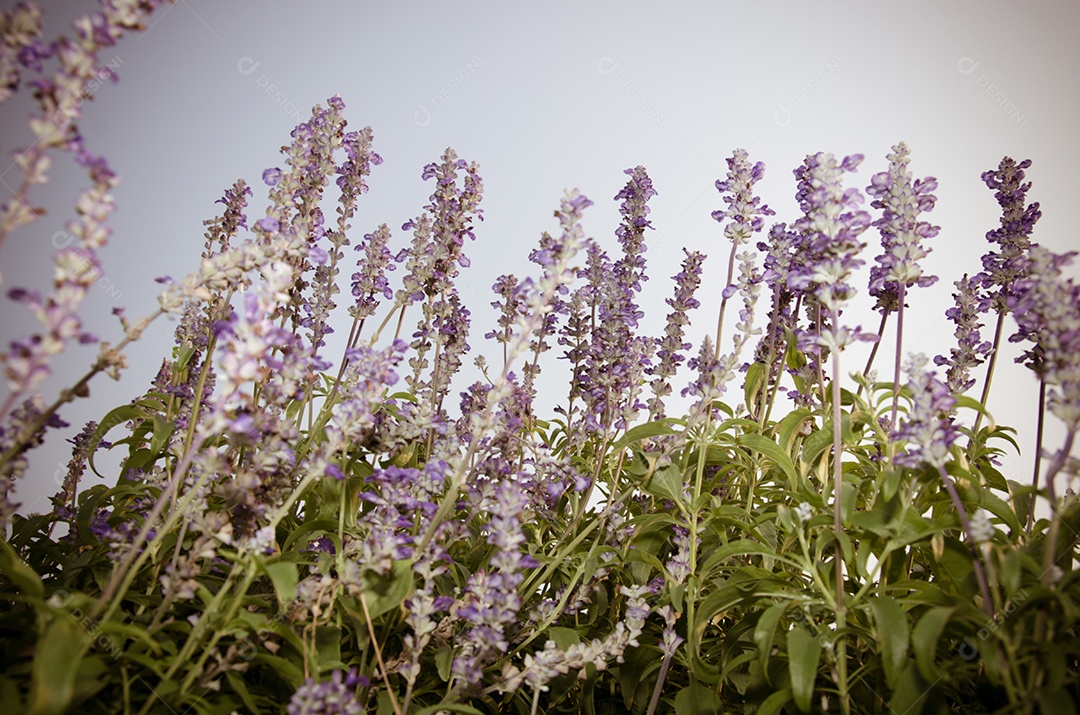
[(765, 631), (285, 576), (892, 637), (910, 693), (238, 686), (57, 657), (285, 670), (666, 483), (790, 427), (804, 652), (640, 432), (328, 646), (999, 508), (563, 637), (755, 380), (766, 447), (696, 699), (816, 443), (742, 547), (19, 572), (925, 637), (163, 430), (118, 416), (774, 704), (444, 659), (1056, 700), (451, 707), (386, 592)]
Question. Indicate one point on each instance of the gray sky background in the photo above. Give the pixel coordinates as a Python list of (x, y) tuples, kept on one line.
[(548, 95)]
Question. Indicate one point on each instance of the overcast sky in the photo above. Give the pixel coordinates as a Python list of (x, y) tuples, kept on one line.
[(548, 95)]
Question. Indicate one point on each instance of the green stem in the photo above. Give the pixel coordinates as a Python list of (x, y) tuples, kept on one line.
[(838, 495)]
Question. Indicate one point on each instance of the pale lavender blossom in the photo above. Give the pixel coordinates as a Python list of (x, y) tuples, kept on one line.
[(927, 431), (901, 200), (744, 213), (1002, 269), (1046, 306), (24, 431), (671, 348), (540, 668), (971, 350), (336, 696), (370, 281), (490, 602), (831, 225)]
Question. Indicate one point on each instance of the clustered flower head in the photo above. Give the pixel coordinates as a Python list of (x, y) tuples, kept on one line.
[(491, 602), (336, 696), (1046, 306), (609, 360), (745, 213), (1002, 268), (672, 347), (901, 200), (928, 430), (831, 224), (971, 350), (60, 98)]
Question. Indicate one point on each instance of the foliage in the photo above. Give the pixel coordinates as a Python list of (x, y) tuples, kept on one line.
[(287, 533)]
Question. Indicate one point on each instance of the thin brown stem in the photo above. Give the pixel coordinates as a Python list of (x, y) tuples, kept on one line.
[(896, 363), (873, 350), (965, 523), (989, 371), (1038, 456)]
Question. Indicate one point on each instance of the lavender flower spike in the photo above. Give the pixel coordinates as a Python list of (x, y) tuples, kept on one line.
[(745, 211), (971, 350), (1046, 306), (1002, 270), (901, 201), (831, 225), (928, 430)]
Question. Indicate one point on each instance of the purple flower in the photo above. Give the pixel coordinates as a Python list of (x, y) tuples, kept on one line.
[(1046, 306), (901, 201), (370, 280), (1002, 269), (744, 210), (671, 347), (336, 696), (928, 430), (830, 225), (490, 603), (268, 224), (971, 350), (272, 176)]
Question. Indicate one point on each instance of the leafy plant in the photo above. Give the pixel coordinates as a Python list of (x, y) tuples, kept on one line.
[(292, 533)]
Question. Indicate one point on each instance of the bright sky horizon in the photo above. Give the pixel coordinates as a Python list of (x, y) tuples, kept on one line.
[(545, 96)]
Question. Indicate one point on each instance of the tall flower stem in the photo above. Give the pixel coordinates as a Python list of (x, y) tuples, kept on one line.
[(965, 523), (723, 299), (990, 370), (1050, 546), (899, 345), (873, 350), (838, 493), (1038, 456)]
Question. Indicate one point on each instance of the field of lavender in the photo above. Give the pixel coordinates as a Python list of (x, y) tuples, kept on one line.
[(303, 532)]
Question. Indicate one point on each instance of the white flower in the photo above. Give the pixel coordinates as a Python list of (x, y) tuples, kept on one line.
[(982, 530)]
